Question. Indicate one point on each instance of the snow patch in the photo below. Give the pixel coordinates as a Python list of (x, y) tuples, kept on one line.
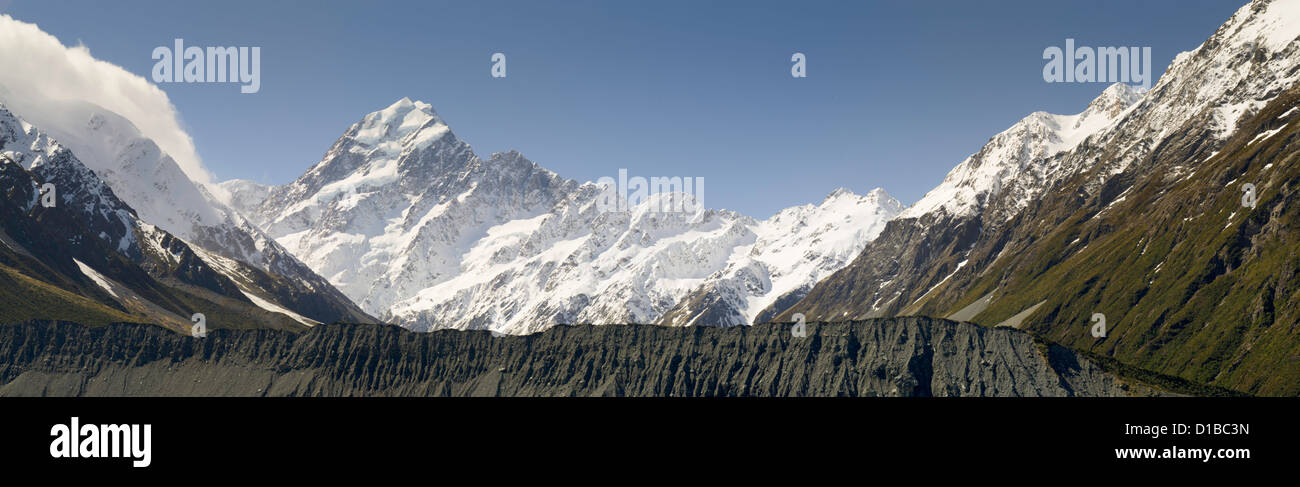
[(274, 308), (99, 279)]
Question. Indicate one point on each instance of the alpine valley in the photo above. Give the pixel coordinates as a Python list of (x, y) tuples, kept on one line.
[(1132, 208)]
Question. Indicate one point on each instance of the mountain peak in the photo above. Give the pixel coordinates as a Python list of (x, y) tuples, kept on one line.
[(1121, 93), (402, 107), (511, 154), (1023, 147), (401, 119), (406, 104), (1267, 24), (878, 195), (839, 192), (8, 118), (1112, 101)]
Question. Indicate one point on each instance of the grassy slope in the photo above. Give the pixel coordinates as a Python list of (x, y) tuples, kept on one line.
[(1192, 284), (25, 298), (30, 290)]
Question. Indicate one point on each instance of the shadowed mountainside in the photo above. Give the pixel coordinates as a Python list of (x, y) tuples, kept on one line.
[(911, 356)]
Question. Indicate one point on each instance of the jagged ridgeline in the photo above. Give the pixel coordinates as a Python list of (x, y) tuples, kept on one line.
[(892, 357)]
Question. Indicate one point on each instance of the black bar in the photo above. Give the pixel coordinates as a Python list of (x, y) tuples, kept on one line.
[(246, 435)]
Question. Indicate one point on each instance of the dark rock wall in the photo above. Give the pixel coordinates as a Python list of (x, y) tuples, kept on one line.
[(910, 356)]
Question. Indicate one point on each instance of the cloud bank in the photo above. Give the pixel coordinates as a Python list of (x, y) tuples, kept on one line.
[(37, 68)]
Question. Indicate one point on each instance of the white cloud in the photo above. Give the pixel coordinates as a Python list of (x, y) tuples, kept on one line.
[(35, 66)]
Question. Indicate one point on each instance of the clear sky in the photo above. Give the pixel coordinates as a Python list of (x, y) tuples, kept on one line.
[(897, 92)]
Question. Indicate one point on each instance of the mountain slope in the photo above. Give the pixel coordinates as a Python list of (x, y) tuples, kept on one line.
[(1019, 164), (793, 250), (1143, 225), (396, 202), (1191, 282), (91, 253), (153, 184), (930, 240)]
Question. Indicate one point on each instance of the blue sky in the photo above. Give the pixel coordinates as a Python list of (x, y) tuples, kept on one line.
[(897, 92)]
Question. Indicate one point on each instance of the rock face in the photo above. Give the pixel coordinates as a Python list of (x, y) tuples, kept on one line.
[(910, 356)]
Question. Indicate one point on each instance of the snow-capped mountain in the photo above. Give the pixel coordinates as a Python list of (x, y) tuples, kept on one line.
[(403, 217), (243, 195), (150, 182), (1234, 73), (1023, 155), (23, 144), (397, 202), (577, 265), (89, 256), (792, 251), (1248, 62), (929, 240), (1153, 231)]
